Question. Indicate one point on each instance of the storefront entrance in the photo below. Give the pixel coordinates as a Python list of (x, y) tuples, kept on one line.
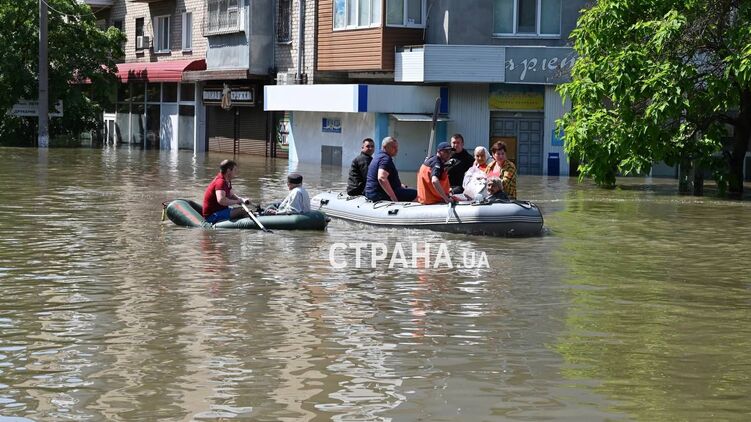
[(523, 137)]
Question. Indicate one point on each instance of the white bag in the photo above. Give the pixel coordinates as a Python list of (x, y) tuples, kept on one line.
[(475, 181)]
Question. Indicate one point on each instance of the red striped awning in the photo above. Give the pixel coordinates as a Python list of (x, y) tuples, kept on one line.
[(163, 71)]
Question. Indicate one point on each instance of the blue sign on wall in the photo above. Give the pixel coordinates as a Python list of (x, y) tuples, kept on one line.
[(556, 139), (330, 125)]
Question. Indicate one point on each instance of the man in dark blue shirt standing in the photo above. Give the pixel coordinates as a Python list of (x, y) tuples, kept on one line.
[(383, 182)]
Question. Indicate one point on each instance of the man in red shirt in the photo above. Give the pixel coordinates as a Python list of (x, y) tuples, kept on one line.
[(219, 196)]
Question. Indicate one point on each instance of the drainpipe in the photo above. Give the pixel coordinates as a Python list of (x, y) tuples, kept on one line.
[(300, 34)]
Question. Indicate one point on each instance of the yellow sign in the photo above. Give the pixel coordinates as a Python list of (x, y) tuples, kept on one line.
[(516, 97)]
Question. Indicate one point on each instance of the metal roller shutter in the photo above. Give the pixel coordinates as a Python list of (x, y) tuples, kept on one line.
[(251, 130)]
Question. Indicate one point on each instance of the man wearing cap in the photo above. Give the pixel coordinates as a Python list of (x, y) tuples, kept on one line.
[(297, 201), (219, 196), (433, 179)]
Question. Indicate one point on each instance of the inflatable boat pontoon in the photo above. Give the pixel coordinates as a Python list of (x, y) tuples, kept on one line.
[(187, 213), (513, 218)]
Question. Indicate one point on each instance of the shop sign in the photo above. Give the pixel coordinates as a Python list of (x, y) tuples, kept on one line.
[(331, 125), (229, 96), (282, 132), (516, 97), (539, 65), (30, 108)]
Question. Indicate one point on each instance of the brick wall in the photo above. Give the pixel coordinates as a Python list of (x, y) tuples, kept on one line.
[(286, 53), (129, 12)]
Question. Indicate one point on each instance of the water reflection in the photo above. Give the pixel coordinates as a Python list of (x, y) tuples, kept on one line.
[(659, 313), (631, 307)]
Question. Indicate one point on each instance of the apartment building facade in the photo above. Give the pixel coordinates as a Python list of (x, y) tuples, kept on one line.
[(494, 64), (156, 108), (193, 73)]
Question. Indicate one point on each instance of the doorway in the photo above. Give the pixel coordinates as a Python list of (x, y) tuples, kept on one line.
[(110, 137), (523, 138)]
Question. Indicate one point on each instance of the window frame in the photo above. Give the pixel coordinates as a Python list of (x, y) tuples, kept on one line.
[(187, 31), (139, 29), (405, 24), (349, 27), (538, 23), (157, 27), (284, 22), (239, 24)]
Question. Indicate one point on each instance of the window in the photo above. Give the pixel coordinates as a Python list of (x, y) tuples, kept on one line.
[(284, 21), (139, 34), (356, 13), (118, 24), (187, 31), (223, 16), (405, 13), (527, 17), (161, 34)]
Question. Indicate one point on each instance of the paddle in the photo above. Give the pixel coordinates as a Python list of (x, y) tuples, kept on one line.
[(253, 216), (432, 125), (451, 208)]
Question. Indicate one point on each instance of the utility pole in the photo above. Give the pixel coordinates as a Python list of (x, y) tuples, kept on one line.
[(44, 135)]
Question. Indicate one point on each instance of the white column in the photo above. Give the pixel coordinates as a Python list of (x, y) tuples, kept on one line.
[(199, 122)]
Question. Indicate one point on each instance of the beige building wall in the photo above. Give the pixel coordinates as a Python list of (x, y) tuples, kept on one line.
[(128, 11), (285, 54)]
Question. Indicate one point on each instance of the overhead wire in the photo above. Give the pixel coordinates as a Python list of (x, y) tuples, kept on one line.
[(68, 15)]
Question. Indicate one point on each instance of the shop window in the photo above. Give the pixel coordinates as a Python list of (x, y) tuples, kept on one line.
[(169, 92), (123, 93), (187, 92), (138, 92), (527, 17), (161, 34), (350, 14), (405, 13), (284, 21), (223, 17), (154, 92)]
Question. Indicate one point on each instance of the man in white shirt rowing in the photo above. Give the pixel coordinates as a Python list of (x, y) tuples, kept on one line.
[(296, 202)]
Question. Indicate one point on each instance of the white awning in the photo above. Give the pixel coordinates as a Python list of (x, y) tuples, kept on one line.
[(418, 118)]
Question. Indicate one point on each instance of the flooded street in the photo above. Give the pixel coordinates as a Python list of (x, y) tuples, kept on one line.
[(634, 305)]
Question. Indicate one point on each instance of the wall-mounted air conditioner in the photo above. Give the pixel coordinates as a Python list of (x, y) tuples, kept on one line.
[(142, 42)]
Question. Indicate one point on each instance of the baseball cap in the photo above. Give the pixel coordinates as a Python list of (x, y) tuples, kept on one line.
[(445, 145)]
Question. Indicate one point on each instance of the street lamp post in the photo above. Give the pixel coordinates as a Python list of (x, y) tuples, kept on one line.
[(44, 136)]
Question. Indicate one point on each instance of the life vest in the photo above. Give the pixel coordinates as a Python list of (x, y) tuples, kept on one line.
[(426, 193)]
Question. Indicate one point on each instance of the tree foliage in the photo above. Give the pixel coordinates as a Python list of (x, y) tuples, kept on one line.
[(660, 80), (79, 51)]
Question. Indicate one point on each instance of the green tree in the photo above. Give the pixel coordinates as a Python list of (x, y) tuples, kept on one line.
[(661, 80), (79, 51)]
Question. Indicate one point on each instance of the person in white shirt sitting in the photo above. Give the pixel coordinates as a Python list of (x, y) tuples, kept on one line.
[(296, 202)]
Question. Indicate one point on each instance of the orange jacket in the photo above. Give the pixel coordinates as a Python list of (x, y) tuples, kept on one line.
[(426, 193)]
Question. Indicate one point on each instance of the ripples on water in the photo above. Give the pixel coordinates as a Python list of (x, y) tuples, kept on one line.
[(635, 305)]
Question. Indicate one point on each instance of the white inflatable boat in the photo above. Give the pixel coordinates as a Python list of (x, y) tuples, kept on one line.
[(513, 218)]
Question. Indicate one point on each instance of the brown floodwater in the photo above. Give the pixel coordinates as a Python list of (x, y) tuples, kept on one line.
[(635, 304)]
